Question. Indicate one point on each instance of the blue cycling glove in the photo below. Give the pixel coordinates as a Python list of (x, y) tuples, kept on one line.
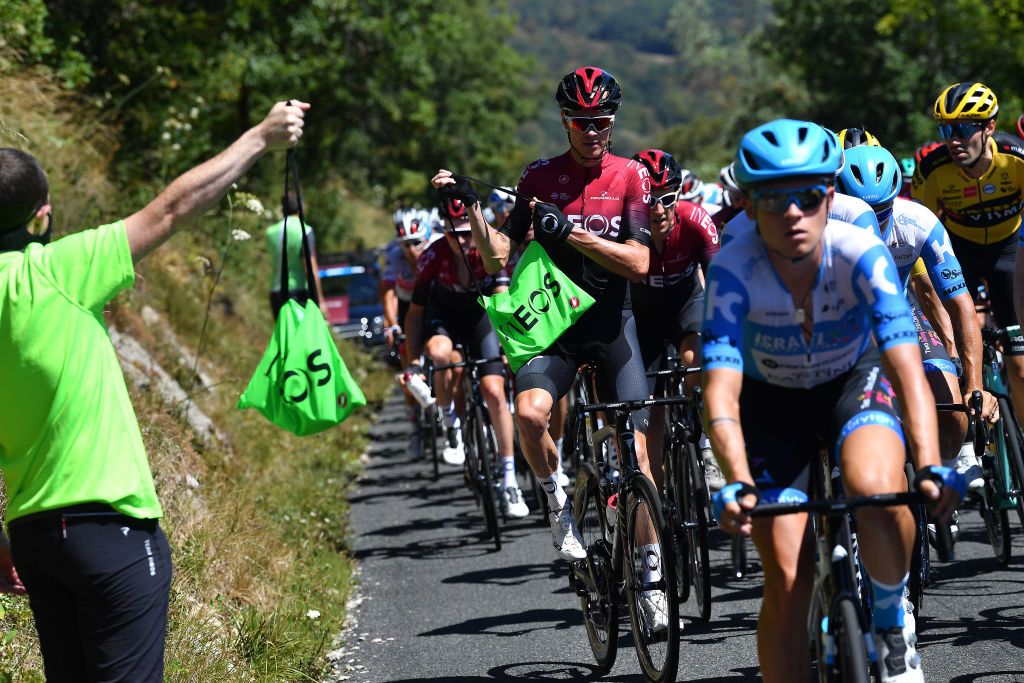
[(943, 476), (729, 493)]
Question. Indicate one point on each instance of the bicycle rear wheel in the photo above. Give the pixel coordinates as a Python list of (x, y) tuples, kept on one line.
[(593, 579), (486, 457), (653, 613), (697, 532)]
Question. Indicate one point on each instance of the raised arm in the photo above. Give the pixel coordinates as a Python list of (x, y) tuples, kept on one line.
[(197, 191), (495, 248)]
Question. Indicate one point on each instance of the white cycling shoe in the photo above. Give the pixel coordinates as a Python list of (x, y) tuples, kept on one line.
[(655, 608), (967, 465), (712, 472), (898, 661), (565, 536), (513, 504), (454, 453)]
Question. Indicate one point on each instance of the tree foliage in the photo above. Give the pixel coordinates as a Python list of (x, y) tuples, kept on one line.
[(398, 88)]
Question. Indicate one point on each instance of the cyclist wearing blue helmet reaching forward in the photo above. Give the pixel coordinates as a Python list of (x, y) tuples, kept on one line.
[(801, 317)]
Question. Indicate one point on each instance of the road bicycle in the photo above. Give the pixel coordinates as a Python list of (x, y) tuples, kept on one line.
[(621, 524), (480, 471)]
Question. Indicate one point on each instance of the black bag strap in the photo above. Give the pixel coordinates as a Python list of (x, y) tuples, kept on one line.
[(291, 173), (465, 259)]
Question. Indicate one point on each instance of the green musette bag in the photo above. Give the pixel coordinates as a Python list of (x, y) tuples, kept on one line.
[(301, 384), (540, 305)]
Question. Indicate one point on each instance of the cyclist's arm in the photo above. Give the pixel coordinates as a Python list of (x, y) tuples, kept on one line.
[(902, 365), (875, 284), (194, 193), (494, 246), (630, 259), (722, 422), (414, 332), (389, 301)]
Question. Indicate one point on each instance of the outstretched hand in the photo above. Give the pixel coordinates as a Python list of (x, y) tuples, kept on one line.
[(282, 127)]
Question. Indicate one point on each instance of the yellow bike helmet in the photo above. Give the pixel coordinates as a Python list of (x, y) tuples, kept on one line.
[(855, 137), (966, 102)]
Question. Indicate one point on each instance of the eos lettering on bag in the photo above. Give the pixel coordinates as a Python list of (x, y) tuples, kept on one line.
[(537, 304), (307, 375)]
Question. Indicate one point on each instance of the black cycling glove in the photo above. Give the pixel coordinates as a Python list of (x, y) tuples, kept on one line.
[(549, 224), (462, 190)]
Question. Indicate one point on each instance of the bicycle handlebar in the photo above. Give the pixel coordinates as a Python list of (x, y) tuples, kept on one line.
[(836, 506), (630, 406)]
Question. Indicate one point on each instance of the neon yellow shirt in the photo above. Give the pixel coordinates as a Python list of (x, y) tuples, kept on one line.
[(68, 432)]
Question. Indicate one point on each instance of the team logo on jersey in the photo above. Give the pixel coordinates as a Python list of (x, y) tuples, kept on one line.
[(878, 281), (604, 197), (970, 191), (942, 248), (563, 196), (563, 179), (554, 195), (722, 303), (989, 188)]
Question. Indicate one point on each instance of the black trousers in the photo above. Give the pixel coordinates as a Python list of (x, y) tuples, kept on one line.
[(98, 583)]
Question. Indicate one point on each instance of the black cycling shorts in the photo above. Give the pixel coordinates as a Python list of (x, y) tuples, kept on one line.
[(471, 328), (658, 331), (785, 428), (98, 583), (933, 351), (612, 346), (993, 263)]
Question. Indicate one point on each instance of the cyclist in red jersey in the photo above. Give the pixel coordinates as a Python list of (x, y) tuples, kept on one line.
[(590, 212), (668, 303), (444, 310)]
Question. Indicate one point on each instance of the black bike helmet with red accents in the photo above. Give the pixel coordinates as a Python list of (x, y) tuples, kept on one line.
[(664, 169), (589, 89), (1020, 126), (454, 210)]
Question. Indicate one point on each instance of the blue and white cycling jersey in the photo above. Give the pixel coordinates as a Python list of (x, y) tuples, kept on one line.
[(844, 208), (750, 322), (915, 232)]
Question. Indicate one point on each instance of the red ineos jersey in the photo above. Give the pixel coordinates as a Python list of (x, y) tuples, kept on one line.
[(693, 240), (439, 271), (670, 277), (609, 200)]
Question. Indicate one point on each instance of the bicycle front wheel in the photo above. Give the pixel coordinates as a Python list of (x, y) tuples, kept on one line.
[(651, 582), (593, 578), (697, 533), (486, 457), (1014, 456), (848, 651)]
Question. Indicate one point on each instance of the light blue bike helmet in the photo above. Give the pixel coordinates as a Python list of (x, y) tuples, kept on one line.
[(871, 174), (786, 149)]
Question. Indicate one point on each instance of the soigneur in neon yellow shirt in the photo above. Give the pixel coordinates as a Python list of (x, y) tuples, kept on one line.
[(68, 432)]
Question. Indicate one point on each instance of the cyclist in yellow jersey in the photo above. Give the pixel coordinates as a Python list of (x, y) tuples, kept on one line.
[(974, 182)]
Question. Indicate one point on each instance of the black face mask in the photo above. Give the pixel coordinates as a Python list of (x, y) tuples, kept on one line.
[(19, 238)]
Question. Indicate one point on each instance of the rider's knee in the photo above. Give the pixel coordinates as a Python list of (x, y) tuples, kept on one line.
[(439, 349), (492, 388), (532, 420)]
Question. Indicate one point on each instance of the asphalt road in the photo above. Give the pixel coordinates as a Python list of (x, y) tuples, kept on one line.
[(436, 603)]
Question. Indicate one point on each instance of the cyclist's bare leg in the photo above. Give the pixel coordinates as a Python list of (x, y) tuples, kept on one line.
[(533, 411), (689, 355), (492, 387), (871, 463), (439, 348), (952, 425), (556, 424), (1015, 373), (788, 579)]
